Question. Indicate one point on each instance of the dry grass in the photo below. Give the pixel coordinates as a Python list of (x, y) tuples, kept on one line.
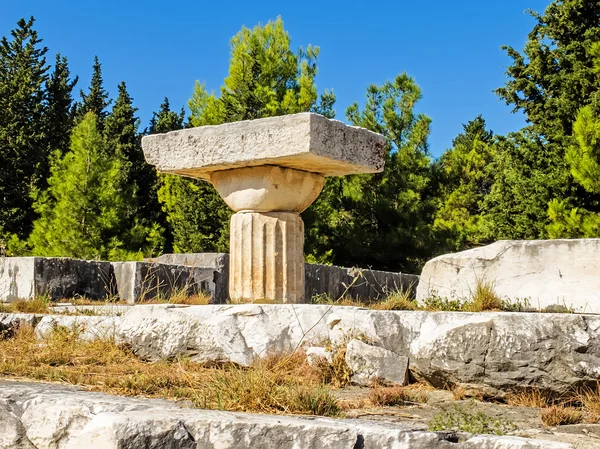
[(529, 398), (589, 398), (39, 304), (182, 297), (484, 298), (458, 392), (397, 395), (559, 415), (397, 300), (336, 373), (278, 384)]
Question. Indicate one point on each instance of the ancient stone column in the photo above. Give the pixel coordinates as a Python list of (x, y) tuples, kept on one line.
[(268, 171)]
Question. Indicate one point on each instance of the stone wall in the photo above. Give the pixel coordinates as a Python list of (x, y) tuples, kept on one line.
[(319, 280), (64, 278), (57, 278)]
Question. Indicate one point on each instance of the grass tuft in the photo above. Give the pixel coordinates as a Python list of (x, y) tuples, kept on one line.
[(531, 397), (397, 395), (559, 415), (484, 298), (337, 372)]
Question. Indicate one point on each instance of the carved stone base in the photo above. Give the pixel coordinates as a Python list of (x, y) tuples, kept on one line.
[(266, 257)]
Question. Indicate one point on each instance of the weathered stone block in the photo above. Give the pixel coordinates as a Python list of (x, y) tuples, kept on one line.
[(58, 278), (138, 281), (306, 141), (56, 416), (546, 272), (318, 279), (370, 363)]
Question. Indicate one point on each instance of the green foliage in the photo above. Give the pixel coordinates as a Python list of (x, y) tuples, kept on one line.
[(59, 114), (464, 180), (139, 182), (266, 78), (464, 419), (81, 213), (380, 220), (96, 100), (584, 156), (554, 77), (528, 174), (23, 149)]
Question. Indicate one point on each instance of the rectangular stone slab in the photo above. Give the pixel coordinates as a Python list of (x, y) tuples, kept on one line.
[(305, 141)]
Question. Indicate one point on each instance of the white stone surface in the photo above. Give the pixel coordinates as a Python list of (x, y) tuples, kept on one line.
[(546, 272), (371, 363), (305, 141), (267, 188), (17, 278), (59, 417)]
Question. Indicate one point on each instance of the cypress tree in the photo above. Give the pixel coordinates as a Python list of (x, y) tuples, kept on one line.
[(59, 115), (96, 100), (139, 182), (23, 149)]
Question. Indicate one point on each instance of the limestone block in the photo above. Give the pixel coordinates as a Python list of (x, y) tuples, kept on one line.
[(316, 354), (546, 272), (17, 278), (267, 257), (139, 281), (305, 141), (369, 363), (493, 352), (12, 432), (267, 188)]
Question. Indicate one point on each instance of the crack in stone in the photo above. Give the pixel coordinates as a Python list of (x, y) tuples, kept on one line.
[(490, 329)]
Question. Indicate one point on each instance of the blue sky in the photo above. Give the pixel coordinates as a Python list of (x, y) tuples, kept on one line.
[(159, 49)]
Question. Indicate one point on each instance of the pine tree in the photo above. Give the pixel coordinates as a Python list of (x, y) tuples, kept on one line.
[(81, 212), (96, 100), (139, 181), (379, 220), (464, 180), (583, 158), (266, 78), (23, 150)]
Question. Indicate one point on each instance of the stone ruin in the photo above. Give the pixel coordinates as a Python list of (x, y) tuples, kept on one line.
[(268, 171)]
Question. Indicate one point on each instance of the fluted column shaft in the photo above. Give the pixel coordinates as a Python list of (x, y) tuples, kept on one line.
[(266, 257)]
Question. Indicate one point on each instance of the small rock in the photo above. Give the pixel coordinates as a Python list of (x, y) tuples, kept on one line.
[(315, 353), (369, 363)]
